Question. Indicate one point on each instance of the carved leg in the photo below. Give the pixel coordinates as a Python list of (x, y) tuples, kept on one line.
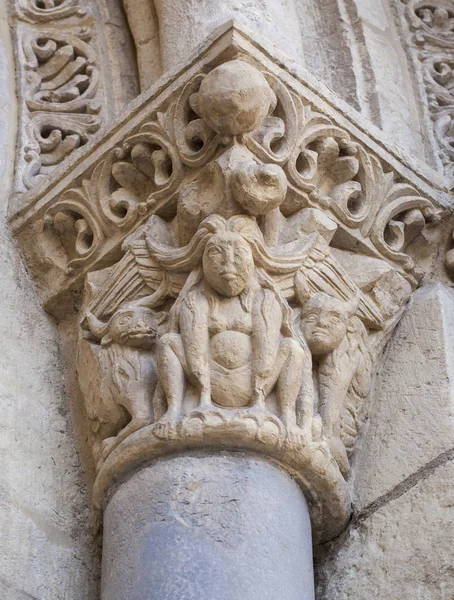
[(170, 366), (291, 358), (138, 421)]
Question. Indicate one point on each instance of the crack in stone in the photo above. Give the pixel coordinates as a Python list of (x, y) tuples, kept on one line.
[(396, 492), (404, 486)]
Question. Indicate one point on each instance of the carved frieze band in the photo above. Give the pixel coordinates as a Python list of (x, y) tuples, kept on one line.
[(59, 83), (245, 260), (432, 26)]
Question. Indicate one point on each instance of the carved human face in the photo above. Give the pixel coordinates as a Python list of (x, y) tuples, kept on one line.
[(228, 264), (135, 327), (324, 325)]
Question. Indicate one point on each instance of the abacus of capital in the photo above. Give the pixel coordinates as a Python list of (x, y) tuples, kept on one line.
[(243, 250)]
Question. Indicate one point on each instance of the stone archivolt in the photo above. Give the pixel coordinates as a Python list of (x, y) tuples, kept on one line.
[(265, 259), (433, 26)]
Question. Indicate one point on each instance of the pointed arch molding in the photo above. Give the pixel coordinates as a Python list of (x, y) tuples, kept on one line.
[(236, 157)]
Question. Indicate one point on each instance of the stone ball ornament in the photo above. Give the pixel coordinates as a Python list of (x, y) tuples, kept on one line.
[(235, 98)]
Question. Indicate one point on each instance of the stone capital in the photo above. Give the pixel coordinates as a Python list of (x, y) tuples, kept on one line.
[(244, 244)]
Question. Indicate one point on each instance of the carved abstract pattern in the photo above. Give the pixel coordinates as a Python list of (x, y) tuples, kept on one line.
[(60, 87), (432, 23)]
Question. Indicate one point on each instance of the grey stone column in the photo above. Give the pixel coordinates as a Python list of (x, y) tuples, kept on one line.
[(227, 526)]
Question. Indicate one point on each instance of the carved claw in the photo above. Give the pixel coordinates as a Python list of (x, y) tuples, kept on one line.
[(107, 446), (165, 428)]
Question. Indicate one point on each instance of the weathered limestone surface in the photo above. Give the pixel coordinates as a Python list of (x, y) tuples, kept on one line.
[(47, 551), (353, 47), (411, 420), (226, 526), (402, 550)]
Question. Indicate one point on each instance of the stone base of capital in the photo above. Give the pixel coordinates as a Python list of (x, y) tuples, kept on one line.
[(309, 462)]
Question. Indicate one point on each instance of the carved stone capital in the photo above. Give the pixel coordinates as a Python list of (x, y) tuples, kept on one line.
[(245, 251)]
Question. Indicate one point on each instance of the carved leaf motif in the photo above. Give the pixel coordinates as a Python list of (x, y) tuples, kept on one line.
[(402, 217), (138, 177), (62, 91), (196, 142), (275, 139), (433, 21)]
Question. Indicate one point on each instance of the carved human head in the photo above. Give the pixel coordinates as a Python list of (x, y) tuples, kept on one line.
[(228, 263), (134, 326), (324, 322)]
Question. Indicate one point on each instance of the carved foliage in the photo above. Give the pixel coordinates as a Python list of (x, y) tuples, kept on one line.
[(49, 10), (325, 167)]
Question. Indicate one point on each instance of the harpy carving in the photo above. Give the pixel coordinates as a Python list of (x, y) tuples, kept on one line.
[(266, 252), (265, 339)]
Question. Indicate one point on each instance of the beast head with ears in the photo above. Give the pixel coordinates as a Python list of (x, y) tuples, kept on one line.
[(131, 325)]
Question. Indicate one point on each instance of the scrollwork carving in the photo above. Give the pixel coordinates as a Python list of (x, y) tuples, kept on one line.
[(60, 83)]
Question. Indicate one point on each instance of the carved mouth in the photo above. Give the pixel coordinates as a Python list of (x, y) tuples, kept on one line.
[(229, 275), (321, 333), (141, 333)]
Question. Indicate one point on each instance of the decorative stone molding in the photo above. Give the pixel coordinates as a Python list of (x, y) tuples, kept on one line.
[(59, 83), (66, 91), (245, 252), (432, 27)]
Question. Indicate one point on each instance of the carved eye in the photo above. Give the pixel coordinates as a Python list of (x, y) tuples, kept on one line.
[(311, 318), (213, 251), (123, 374), (125, 320), (335, 320), (241, 253)]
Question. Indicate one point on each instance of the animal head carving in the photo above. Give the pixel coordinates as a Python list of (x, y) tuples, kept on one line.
[(133, 326)]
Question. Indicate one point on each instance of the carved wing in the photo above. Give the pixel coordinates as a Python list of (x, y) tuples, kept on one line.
[(135, 276), (322, 273), (350, 420)]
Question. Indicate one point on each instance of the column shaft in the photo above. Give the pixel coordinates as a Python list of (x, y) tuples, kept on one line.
[(224, 526)]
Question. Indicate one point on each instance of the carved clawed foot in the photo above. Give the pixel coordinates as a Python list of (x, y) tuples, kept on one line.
[(257, 410), (107, 446), (165, 428), (339, 454)]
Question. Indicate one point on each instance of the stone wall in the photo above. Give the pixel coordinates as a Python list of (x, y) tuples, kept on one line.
[(47, 548)]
